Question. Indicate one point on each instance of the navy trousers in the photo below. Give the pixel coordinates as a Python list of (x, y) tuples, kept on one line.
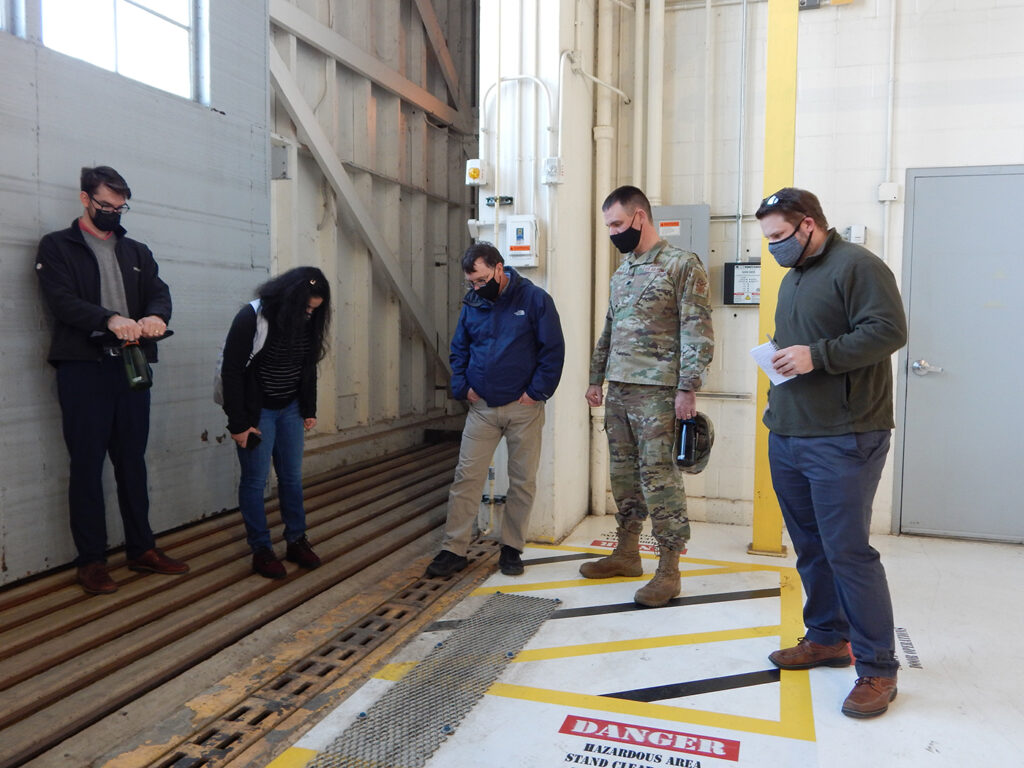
[(102, 416), (825, 486)]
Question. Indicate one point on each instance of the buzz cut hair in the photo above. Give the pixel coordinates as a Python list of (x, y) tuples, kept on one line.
[(630, 198)]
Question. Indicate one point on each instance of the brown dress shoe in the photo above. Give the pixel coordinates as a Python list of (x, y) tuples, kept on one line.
[(302, 553), (266, 564), (870, 697), (95, 579), (806, 654), (155, 561)]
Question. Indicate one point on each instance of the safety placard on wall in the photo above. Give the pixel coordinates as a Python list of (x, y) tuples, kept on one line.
[(742, 283)]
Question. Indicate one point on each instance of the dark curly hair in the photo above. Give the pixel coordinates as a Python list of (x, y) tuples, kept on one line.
[(284, 300)]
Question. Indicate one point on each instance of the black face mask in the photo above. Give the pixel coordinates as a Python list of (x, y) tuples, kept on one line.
[(106, 221), (628, 239), (489, 290)]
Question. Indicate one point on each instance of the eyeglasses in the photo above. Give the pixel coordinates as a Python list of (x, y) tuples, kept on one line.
[(474, 284), (108, 208)]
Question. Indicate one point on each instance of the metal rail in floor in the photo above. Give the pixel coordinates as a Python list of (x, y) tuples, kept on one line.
[(67, 660)]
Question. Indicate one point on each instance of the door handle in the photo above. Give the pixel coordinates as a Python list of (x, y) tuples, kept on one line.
[(923, 368)]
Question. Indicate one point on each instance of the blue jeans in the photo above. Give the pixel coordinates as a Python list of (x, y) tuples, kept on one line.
[(282, 440), (825, 486)]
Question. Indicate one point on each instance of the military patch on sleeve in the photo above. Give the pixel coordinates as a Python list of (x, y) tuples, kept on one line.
[(700, 287)]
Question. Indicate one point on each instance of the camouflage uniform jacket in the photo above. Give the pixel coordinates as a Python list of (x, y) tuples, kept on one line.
[(658, 327)]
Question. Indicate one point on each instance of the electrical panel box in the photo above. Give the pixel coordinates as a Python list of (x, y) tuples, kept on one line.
[(741, 282), (521, 240), (684, 226)]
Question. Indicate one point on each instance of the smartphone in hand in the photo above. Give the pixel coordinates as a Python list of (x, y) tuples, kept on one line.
[(252, 440)]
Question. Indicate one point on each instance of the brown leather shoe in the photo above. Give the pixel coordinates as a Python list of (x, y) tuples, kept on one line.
[(806, 654), (300, 552), (155, 561), (870, 697), (95, 579), (266, 564)]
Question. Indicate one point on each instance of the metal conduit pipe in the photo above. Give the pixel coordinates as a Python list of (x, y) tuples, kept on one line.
[(741, 133), (889, 130), (655, 97), (639, 127), (604, 134)]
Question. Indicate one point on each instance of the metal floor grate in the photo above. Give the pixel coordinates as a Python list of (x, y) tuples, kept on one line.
[(408, 723)]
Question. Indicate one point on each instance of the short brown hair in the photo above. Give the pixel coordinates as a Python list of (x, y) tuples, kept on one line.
[(629, 197), (794, 205), (104, 174)]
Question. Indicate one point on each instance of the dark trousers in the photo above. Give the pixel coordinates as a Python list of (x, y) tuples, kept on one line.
[(825, 486), (101, 416)]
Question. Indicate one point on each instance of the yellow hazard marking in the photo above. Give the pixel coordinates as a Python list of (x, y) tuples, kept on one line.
[(293, 757), (796, 717)]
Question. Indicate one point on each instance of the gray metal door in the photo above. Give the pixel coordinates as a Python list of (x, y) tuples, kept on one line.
[(959, 408)]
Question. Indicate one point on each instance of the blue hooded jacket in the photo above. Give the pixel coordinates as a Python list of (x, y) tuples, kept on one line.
[(509, 346)]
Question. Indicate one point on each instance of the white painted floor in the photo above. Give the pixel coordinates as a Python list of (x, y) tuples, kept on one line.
[(959, 614)]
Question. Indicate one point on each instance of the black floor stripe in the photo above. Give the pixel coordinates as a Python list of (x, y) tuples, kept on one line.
[(710, 685), (598, 610), (560, 558)]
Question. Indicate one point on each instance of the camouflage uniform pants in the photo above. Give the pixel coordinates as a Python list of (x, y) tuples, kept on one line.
[(640, 422)]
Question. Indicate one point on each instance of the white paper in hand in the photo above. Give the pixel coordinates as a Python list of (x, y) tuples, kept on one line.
[(763, 357)]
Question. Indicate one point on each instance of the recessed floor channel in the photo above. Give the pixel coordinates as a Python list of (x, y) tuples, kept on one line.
[(408, 723)]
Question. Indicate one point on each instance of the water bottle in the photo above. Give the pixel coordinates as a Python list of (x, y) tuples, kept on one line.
[(684, 442), (135, 366)]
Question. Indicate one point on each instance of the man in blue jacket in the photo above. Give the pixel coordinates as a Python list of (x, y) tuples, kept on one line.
[(506, 358)]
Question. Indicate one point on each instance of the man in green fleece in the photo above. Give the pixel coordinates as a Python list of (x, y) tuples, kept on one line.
[(838, 320)]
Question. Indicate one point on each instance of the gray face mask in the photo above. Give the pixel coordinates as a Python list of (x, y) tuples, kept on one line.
[(788, 252)]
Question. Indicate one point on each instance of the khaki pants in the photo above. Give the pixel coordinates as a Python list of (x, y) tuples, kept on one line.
[(521, 427)]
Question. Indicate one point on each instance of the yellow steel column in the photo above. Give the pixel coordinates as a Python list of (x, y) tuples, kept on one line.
[(779, 148)]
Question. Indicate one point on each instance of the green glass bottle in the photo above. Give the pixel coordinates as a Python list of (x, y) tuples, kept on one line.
[(136, 367)]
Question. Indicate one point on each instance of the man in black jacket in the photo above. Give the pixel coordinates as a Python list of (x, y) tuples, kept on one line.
[(838, 320), (104, 291)]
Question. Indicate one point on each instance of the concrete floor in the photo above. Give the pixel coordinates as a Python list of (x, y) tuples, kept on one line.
[(958, 610)]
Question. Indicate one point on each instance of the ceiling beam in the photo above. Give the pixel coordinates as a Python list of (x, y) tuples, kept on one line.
[(289, 18), (309, 128)]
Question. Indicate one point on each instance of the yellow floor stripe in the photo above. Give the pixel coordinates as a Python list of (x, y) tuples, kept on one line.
[(293, 757), (792, 727)]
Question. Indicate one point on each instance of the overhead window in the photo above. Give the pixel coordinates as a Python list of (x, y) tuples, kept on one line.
[(157, 42)]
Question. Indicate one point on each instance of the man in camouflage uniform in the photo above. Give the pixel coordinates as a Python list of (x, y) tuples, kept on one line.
[(656, 343)]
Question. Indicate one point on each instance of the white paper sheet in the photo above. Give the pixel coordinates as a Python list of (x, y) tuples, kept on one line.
[(763, 357)]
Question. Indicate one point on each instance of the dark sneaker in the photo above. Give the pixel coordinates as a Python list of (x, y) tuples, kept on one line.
[(446, 563), (870, 697), (806, 654), (265, 563), (155, 561), (302, 553), (95, 579), (509, 561)]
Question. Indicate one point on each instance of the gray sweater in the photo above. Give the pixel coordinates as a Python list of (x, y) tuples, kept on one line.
[(843, 302)]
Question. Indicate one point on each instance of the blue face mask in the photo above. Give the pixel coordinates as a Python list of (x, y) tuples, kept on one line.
[(789, 251)]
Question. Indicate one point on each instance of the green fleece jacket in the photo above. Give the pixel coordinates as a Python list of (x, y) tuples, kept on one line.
[(844, 304)]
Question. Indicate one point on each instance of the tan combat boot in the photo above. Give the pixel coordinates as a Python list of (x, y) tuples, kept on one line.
[(623, 561), (665, 584)]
